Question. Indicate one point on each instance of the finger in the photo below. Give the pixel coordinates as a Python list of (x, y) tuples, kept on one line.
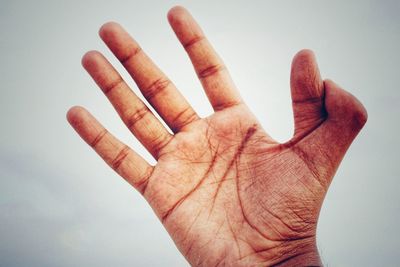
[(152, 82), (209, 67), (134, 113), (345, 113), (307, 93), (345, 118), (127, 163)]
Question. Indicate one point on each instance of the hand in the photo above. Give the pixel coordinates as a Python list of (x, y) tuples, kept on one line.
[(226, 192)]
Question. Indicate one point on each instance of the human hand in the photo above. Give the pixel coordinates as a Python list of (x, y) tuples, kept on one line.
[(226, 192)]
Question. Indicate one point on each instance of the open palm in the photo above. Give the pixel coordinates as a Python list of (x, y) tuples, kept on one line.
[(227, 193)]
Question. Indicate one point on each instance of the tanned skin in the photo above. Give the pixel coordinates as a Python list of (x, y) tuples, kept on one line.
[(227, 193)]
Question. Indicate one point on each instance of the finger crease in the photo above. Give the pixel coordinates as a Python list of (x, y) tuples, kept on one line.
[(155, 88), (193, 41), (159, 143), (130, 55), (184, 117), (98, 138), (115, 84), (225, 105), (310, 100), (117, 161), (143, 182), (136, 116), (210, 70)]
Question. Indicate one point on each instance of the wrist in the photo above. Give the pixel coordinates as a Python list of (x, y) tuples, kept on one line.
[(304, 259), (298, 253)]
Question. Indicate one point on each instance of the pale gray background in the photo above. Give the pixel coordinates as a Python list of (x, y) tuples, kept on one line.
[(61, 206)]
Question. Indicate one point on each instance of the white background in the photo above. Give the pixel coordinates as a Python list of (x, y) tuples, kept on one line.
[(60, 205)]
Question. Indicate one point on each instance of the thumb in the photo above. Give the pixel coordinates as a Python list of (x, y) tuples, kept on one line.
[(307, 93), (327, 145), (344, 110)]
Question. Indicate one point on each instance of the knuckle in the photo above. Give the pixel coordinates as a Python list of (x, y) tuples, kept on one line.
[(359, 114), (211, 70), (159, 143), (156, 88), (98, 138), (193, 41), (120, 158), (113, 85), (137, 115), (133, 53), (183, 118), (142, 183), (353, 112), (343, 107)]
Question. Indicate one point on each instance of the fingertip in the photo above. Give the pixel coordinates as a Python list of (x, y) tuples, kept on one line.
[(304, 62), (89, 57), (108, 27), (304, 57), (176, 11), (176, 14), (305, 78), (184, 25), (75, 113), (305, 53)]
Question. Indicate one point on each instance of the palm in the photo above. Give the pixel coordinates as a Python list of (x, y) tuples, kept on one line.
[(230, 191), (224, 189)]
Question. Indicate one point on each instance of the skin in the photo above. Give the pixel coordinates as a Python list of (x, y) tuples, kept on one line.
[(226, 192)]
